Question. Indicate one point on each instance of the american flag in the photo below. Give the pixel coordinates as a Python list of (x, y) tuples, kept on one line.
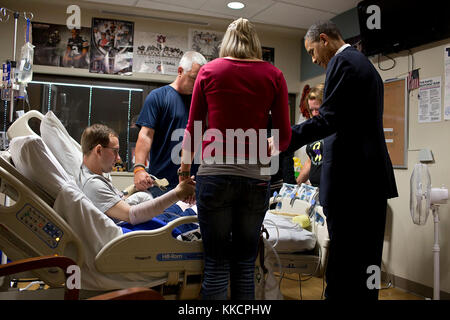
[(413, 79)]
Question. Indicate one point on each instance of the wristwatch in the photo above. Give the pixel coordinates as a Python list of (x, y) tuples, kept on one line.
[(183, 173), (137, 165)]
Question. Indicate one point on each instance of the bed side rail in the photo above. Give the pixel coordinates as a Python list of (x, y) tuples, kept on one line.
[(153, 250), (31, 228), (20, 126), (321, 231)]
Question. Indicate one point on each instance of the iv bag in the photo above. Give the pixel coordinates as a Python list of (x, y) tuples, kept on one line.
[(25, 72)]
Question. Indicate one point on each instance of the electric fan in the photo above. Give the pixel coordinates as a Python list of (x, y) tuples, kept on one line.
[(423, 198)]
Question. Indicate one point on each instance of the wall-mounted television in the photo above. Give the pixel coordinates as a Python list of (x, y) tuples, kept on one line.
[(388, 26)]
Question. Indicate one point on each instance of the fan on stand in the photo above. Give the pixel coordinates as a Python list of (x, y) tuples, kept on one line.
[(423, 198)]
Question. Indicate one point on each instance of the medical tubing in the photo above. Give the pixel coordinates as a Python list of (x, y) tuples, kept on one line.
[(31, 284), (146, 210), (28, 31), (276, 227), (320, 257), (266, 242), (280, 271)]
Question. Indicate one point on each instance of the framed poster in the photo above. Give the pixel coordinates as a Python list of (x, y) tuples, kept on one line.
[(395, 122), (111, 46), (56, 45), (206, 42), (158, 53), (268, 54)]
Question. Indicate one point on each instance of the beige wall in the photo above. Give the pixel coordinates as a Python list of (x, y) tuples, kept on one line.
[(286, 41), (408, 247)]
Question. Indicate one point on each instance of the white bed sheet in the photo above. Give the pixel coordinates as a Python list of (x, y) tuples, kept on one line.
[(287, 236)]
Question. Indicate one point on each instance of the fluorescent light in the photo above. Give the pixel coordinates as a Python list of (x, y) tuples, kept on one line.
[(235, 5), (84, 86)]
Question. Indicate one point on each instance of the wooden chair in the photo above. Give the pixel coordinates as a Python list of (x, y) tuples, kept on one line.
[(62, 262)]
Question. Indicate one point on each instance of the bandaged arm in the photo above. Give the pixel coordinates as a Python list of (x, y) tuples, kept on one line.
[(146, 210), (143, 211)]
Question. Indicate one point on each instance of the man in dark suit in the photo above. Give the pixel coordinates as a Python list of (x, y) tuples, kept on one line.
[(357, 176)]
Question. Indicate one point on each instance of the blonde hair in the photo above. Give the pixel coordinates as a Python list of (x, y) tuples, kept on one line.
[(241, 41), (316, 93)]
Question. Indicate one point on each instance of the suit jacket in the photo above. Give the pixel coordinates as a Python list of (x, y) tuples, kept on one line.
[(356, 161)]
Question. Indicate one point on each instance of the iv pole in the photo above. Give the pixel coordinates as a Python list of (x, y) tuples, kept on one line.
[(14, 86), (13, 67), (4, 12)]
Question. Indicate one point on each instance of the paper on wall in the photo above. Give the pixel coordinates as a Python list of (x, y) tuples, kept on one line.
[(447, 83), (158, 53), (430, 100)]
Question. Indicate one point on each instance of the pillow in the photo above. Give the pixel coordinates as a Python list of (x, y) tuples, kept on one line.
[(66, 150), (32, 158)]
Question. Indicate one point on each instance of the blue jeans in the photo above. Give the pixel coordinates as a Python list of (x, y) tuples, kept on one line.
[(230, 212)]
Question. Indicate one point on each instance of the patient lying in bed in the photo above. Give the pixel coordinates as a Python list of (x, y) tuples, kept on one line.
[(140, 211)]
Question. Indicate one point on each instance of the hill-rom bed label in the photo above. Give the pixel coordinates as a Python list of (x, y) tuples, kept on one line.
[(175, 256)]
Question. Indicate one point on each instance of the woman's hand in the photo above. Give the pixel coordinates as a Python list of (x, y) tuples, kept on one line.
[(185, 190)]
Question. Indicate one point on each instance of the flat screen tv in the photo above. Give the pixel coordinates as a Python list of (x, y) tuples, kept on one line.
[(388, 26)]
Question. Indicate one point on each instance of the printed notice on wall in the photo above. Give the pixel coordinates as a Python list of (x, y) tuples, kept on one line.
[(430, 100), (447, 84)]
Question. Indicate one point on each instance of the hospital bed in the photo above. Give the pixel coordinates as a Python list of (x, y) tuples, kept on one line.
[(49, 215), (41, 186), (298, 235)]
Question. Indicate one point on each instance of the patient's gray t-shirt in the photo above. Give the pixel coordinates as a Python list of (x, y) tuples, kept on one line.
[(98, 189)]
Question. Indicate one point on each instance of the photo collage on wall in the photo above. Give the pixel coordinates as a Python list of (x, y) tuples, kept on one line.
[(113, 47)]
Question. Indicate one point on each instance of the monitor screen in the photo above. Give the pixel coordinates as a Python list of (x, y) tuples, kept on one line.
[(388, 26)]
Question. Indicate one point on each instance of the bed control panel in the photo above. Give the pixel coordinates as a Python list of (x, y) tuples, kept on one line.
[(40, 225)]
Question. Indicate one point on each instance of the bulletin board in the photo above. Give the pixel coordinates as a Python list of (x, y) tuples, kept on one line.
[(395, 122)]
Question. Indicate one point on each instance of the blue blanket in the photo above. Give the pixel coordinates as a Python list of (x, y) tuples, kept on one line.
[(171, 213)]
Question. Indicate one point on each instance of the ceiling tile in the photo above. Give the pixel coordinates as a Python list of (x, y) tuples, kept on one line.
[(115, 2), (252, 7), (165, 7), (190, 4), (290, 15), (336, 6)]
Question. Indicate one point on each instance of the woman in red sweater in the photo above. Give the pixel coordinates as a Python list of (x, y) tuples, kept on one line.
[(233, 96)]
